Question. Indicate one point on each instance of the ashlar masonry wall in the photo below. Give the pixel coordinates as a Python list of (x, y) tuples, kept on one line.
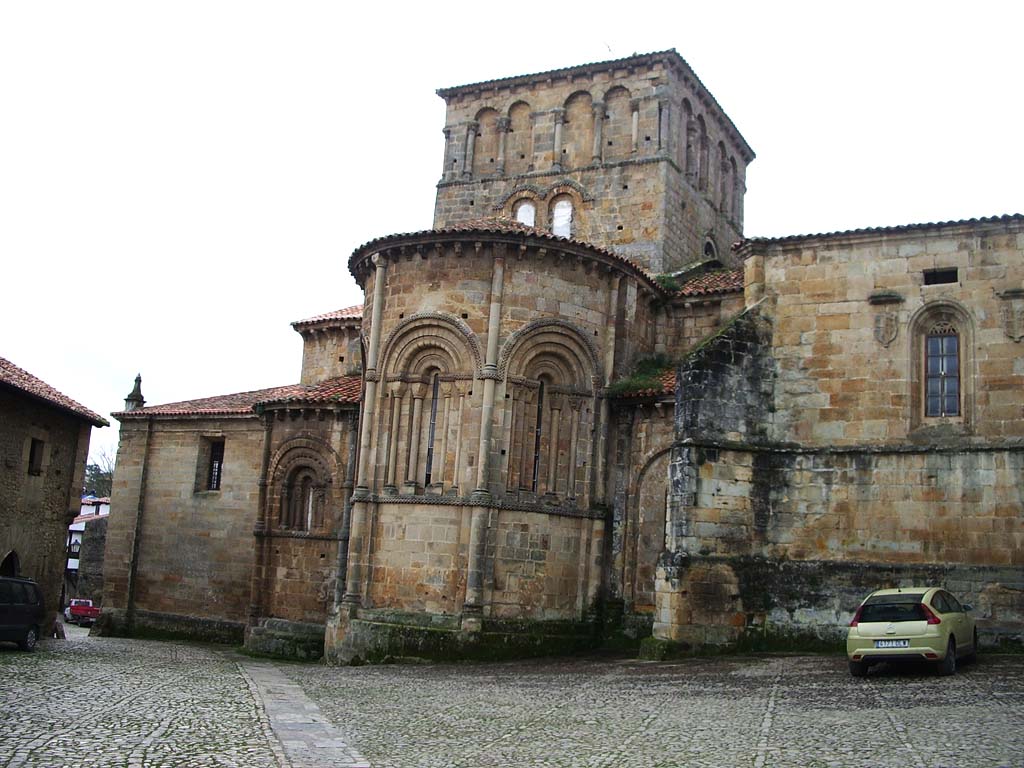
[(179, 557), (841, 482)]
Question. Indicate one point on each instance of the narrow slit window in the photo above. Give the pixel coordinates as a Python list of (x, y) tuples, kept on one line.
[(35, 457), (431, 431), (942, 371), (216, 467), (538, 431)]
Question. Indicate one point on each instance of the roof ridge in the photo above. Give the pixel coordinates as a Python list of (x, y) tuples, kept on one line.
[(18, 378)]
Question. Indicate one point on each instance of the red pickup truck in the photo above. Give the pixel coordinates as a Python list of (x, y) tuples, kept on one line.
[(81, 612)]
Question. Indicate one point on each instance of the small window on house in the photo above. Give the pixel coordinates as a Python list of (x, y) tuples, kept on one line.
[(940, 276), (942, 371), (561, 218), (709, 250), (35, 457), (525, 213)]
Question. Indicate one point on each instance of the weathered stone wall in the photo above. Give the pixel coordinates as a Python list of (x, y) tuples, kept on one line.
[(192, 548), (653, 167), (545, 567), (808, 443), (90, 560), (330, 352), (850, 313), (35, 509)]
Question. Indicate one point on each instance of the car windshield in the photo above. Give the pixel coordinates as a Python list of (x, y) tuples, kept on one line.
[(903, 607)]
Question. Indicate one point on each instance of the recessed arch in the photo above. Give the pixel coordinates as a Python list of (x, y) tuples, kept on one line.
[(431, 336), (519, 142), (555, 345)]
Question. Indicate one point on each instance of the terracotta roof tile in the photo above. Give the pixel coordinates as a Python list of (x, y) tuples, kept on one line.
[(344, 389), (718, 281), (668, 387), (25, 382), (892, 230), (348, 313), (499, 226)]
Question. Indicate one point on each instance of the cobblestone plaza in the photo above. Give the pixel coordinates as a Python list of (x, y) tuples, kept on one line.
[(132, 703)]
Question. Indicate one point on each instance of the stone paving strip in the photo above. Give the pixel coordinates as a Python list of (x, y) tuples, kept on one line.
[(309, 739), (141, 704)]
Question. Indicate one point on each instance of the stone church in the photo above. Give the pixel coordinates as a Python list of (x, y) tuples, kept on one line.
[(584, 406)]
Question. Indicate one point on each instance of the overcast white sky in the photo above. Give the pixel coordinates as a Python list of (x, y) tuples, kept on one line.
[(181, 180)]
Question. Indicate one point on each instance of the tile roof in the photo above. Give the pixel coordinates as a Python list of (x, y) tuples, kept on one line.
[(23, 381), (499, 226), (668, 387), (717, 281), (344, 389), (348, 313), (891, 230)]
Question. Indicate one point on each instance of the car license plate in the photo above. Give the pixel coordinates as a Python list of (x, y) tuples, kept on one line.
[(892, 643)]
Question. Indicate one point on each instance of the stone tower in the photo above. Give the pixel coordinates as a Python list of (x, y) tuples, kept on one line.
[(634, 155)]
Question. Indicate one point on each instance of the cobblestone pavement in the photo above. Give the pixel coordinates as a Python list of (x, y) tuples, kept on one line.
[(107, 702), (140, 704), (774, 711)]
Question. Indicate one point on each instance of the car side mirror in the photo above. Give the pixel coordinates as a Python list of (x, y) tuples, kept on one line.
[(968, 607)]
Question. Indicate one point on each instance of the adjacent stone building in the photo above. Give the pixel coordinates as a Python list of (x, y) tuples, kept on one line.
[(583, 404), (44, 443)]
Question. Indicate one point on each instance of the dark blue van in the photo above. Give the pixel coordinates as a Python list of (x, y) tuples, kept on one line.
[(21, 612)]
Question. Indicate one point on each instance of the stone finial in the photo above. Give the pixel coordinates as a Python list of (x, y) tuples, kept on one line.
[(135, 399)]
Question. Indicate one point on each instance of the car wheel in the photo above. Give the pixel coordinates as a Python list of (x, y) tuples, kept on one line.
[(948, 665), (28, 642), (973, 655), (859, 668)]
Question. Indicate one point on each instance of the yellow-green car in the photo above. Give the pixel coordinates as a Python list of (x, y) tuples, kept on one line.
[(911, 624)]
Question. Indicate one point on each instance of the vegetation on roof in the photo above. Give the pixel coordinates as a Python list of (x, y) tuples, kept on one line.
[(646, 374)]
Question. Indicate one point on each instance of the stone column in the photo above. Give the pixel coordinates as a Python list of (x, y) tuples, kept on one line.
[(440, 457), (556, 419), (526, 445), (419, 391), (461, 388), (559, 117), (598, 107), (361, 497), (394, 436), (352, 427), (601, 444), (446, 168), (634, 106), (664, 127), (261, 529), (481, 495), (471, 128), (503, 126), (691, 151), (575, 405)]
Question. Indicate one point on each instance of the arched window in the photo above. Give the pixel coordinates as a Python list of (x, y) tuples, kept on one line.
[(301, 502), (525, 212), (942, 371), (561, 217), (10, 566), (710, 252)]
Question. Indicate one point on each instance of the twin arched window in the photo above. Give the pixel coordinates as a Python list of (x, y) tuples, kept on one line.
[(302, 502), (560, 216)]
